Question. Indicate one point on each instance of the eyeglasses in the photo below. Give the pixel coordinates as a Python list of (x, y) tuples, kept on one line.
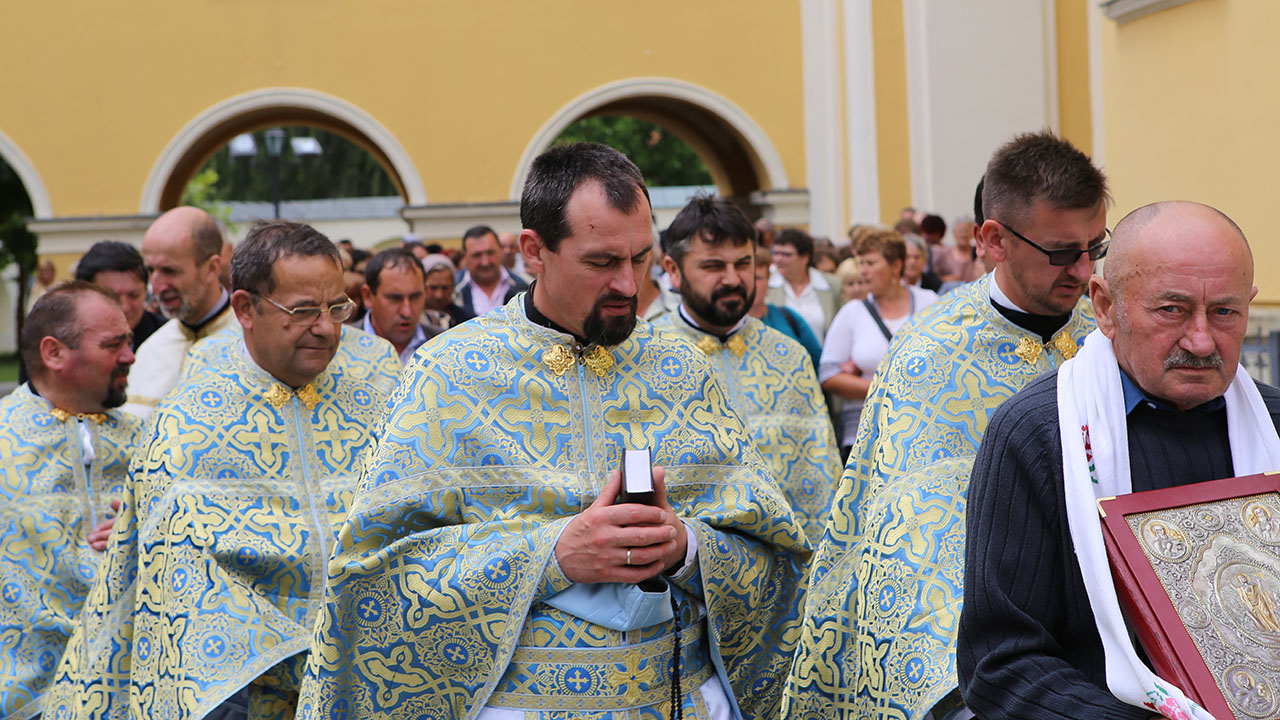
[(1065, 256), (308, 316)]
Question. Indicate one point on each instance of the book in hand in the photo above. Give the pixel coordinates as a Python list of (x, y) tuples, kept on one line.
[(1197, 571), (637, 478), (637, 487)]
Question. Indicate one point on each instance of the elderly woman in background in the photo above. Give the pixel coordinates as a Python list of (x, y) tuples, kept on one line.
[(958, 264), (861, 331), (915, 270)]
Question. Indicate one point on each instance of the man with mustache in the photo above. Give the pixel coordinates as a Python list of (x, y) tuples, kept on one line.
[(884, 601), (212, 578), (183, 253), (1158, 395), (710, 255), (486, 571), (65, 449)]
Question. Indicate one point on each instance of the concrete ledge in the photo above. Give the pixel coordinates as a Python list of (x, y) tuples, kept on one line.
[(1123, 11), (74, 235)]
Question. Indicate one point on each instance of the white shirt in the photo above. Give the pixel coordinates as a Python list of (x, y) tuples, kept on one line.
[(806, 304), (481, 301), (855, 336), (415, 342), (993, 288)]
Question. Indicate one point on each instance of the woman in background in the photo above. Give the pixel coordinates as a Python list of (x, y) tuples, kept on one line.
[(860, 333)]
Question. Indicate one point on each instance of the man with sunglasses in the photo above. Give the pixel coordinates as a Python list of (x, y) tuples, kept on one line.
[(884, 602), (214, 573)]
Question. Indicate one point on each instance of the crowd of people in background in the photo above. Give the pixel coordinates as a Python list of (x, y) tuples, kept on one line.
[(595, 467)]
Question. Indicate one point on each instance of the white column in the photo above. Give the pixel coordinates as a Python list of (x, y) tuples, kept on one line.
[(969, 91), (823, 125), (860, 96), (1097, 109)]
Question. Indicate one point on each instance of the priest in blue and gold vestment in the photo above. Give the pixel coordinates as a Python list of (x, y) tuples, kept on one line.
[(483, 572), (213, 574), (884, 600), (710, 255), (361, 356), (65, 450)]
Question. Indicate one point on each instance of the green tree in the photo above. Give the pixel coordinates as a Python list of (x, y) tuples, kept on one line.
[(202, 192), (664, 159), (17, 243), (343, 169)]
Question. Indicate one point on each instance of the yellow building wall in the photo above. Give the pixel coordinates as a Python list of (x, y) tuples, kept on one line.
[(892, 126), (1075, 122), (464, 86), (1191, 109)]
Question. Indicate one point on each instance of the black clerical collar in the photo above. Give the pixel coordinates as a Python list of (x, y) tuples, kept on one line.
[(537, 318), (223, 301), (1046, 326), (684, 315)]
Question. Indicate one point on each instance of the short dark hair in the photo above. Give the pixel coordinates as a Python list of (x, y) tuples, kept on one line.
[(477, 231), (933, 225), (558, 172), (56, 314), (411, 244), (713, 220), (111, 256), (393, 258), (1040, 167), (978, 217), (266, 242), (797, 239), (359, 255)]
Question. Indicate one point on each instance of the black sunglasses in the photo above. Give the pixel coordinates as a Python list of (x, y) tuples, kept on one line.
[(1065, 256)]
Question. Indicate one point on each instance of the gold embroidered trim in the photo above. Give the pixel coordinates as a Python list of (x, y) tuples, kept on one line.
[(1029, 350), (62, 416), (277, 395), (558, 359), (599, 360)]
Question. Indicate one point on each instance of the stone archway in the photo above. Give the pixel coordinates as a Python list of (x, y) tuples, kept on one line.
[(742, 160), (26, 171), (214, 128)]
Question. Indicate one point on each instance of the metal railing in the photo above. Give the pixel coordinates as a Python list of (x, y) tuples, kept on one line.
[(1260, 355)]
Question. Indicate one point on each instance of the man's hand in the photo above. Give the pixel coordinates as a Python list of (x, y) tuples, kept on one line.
[(98, 538), (598, 543)]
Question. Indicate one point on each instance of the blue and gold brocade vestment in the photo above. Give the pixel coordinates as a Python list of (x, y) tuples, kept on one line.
[(360, 356), (879, 636), (444, 596), (770, 382), (213, 575), (54, 496)]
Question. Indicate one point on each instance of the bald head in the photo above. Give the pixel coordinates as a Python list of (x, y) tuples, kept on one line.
[(1174, 228), (183, 252), (1174, 300), (192, 226)]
